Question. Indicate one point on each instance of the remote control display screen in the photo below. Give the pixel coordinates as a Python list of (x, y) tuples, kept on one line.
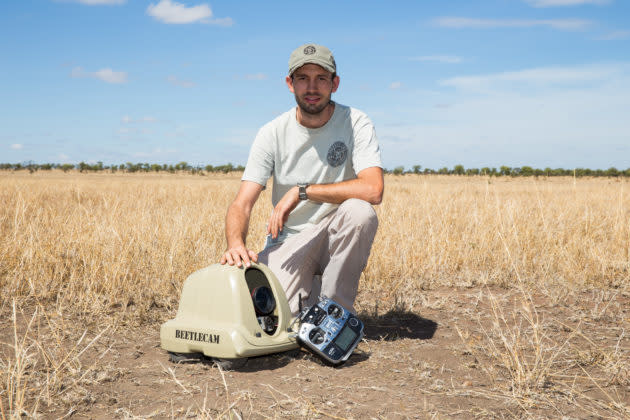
[(345, 338)]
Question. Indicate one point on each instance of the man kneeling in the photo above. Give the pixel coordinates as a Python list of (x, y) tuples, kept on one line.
[(327, 173)]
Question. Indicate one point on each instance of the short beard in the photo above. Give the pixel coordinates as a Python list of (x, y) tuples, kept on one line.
[(311, 109)]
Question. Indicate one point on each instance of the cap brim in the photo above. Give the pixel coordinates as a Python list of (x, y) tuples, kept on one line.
[(321, 63)]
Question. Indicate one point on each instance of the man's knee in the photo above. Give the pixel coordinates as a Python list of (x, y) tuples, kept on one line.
[(359, 212)]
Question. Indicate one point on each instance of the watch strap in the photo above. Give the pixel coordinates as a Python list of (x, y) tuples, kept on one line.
[(302, 191)]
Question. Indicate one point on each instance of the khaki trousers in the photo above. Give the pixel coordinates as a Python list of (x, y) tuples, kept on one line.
[(334, 250)]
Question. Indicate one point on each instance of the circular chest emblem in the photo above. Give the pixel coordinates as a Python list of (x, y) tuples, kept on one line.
[(309, 50), (337, 154)]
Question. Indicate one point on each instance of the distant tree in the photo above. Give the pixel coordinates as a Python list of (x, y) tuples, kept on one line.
[(182, 166), (66, 167), (472, 171), (416, 169), (612, 172), (527, 171), (559, 172), (580, 172), (459, 170), (505, 170), (398, 170), (225, 168)]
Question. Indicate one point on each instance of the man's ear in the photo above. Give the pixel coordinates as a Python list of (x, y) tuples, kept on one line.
[(335, 84), (289, 82)]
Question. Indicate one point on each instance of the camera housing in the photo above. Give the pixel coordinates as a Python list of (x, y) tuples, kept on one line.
[(217, 315)]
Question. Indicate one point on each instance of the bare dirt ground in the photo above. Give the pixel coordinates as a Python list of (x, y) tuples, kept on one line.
[(461, 353)]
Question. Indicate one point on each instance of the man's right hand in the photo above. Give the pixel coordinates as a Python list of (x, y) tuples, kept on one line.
[(239, 255)]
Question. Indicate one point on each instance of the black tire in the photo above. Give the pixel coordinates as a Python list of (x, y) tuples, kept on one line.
[(293, 353), (231, 364), (185, 357)]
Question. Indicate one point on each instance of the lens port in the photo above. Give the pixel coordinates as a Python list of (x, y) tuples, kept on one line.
[(263, 300)]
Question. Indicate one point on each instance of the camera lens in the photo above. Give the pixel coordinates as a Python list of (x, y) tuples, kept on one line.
[(263, 300)]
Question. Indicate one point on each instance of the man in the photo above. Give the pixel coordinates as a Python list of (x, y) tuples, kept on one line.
[(327, 171)]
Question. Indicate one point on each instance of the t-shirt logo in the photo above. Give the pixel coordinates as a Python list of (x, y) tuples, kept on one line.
[(337, 154), (309, 50)]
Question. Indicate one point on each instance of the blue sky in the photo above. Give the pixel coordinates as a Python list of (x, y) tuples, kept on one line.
[(478, 83)]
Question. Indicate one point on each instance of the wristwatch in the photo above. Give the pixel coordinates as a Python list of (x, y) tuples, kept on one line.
[(302, 193)]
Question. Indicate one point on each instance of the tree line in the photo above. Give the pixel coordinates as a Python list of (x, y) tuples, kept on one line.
[(124, 167), (130, 167), (510, 171)]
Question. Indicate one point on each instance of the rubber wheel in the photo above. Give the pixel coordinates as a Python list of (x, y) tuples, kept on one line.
[(185, 357), (231, 364), (293, 353)]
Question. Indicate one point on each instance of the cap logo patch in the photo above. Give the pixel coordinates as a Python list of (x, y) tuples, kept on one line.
[(309, 50)]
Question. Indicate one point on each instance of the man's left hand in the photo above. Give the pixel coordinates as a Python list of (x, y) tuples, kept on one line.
[(282, 210)]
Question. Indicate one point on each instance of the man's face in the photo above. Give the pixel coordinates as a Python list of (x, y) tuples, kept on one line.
[(312, 86)]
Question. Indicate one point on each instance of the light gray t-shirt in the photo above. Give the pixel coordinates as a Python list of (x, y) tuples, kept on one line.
[(294, 154)]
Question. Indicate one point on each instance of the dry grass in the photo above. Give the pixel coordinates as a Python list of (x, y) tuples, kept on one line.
[(107, 250), (467, 231)]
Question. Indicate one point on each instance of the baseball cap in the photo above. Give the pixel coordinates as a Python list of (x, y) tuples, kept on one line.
[(312, 53)]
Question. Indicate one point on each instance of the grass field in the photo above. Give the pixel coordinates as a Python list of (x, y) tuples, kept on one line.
[(88, 261)]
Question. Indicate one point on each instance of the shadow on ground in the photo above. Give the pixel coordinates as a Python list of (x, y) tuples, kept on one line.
[(397, 324)]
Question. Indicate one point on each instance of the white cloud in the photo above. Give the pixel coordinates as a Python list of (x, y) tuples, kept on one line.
[(181, 83), (17, 146), (463, 22), (226, 21), (78, 72), (167, 11), (438, 58), (110, 76), (554, 3), (106, 75), (536, 76), (257, 76), (147, 119), (395, 85), (614, 36)]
